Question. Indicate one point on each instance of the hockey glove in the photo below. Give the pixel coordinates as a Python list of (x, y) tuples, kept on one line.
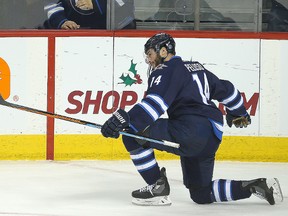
[(238, 121), (118, 122)]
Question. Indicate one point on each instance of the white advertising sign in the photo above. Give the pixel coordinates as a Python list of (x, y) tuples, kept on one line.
[(96, 75), (273, 81), (83, 82), (27, 62)]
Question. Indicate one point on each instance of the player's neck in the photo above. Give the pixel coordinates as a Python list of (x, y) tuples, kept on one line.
[(169, 56)]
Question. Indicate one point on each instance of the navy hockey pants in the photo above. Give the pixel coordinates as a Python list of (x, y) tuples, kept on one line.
[(198, 145)]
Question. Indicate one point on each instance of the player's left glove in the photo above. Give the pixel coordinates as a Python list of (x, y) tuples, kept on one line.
[(118, 122), (238, 121)]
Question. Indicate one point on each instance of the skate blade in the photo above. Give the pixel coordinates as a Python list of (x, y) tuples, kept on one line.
[(277, 192), (155, 201)]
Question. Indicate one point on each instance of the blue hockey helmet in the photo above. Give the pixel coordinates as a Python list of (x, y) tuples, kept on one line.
[(160, 40)]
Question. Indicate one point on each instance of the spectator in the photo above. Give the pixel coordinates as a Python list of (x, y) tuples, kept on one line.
[(73, 14), (278, 17), (68, 14)]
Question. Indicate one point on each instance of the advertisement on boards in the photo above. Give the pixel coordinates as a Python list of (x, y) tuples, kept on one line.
[(23, 80), (93, 79), (83, 81), (273, 85)]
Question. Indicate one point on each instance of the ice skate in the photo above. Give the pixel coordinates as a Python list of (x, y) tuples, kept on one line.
[(154, 195), (268, 189)]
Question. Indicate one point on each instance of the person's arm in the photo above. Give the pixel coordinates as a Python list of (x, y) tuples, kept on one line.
[(56, 15), (57, 18), (226, 93), (164, 84)]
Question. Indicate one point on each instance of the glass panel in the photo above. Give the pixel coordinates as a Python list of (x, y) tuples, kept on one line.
[(21, 14), (165, 14), (122, 14), (222, 15), (275, 15), (181, 14), (229, 15)]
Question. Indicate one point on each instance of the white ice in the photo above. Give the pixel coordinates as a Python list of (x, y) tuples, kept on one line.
[(86, 188)]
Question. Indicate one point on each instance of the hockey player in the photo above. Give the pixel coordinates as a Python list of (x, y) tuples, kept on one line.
[(185, 91)]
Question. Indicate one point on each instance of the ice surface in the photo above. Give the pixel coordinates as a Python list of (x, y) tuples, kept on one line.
[(86, 188)]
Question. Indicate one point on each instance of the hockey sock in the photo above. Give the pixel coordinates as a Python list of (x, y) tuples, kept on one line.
[(146, 164), (228, 190)]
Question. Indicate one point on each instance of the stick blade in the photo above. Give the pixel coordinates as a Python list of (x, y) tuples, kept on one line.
[(2, 101), (1, 98)]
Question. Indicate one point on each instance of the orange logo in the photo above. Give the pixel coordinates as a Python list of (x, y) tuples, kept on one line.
[(4, 79)]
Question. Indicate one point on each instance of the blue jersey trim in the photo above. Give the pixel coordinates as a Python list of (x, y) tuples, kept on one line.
[(159, 101), (217, 129), (133, 128), (99, 7)]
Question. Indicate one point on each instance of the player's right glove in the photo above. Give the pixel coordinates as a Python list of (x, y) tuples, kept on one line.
[(238, 121), (118, 122)]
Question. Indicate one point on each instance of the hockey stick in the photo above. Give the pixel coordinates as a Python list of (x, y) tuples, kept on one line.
[(82, 122)]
